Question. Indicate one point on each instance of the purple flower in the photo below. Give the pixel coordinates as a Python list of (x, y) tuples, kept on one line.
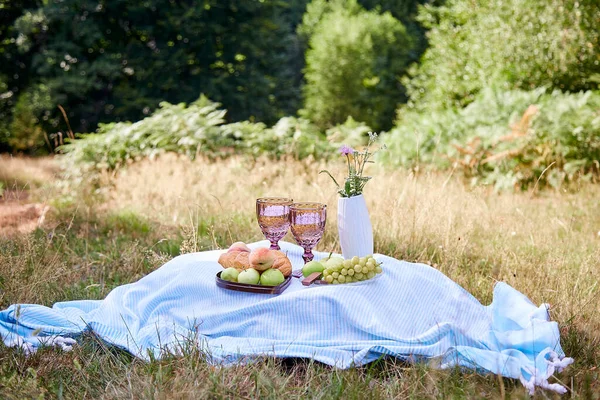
[(346, 150)]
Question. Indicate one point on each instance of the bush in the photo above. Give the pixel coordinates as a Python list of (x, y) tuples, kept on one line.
[(506, 138), (518, 44), (197, 129), (352, 133), (5, 113), (353, 64), (25, 132), (173, 127)]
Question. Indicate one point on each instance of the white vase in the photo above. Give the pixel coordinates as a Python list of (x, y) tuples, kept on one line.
[(354, 227)]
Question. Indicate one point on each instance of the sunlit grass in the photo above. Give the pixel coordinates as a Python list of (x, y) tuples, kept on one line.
[(18, 174)]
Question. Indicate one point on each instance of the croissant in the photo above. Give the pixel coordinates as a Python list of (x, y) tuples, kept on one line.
[(278, 253), (241, 261), (227, 260), (283, 264)]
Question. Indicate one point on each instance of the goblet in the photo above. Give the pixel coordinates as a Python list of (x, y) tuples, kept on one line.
[(308, 224), (273, 214)]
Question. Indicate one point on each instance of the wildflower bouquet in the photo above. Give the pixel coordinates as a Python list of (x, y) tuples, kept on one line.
[(355, 181)]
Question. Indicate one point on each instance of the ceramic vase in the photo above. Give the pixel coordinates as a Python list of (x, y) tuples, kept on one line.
[(354, 227)]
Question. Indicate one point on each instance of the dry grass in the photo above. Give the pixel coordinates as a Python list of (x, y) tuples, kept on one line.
[(545, 245), (20, 173), (18, 212)]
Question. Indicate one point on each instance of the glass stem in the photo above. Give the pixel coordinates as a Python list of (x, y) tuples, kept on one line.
[(307, 256), (275, 245)]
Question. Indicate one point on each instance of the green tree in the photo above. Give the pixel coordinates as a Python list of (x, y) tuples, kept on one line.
[(406, 11), (117, 60), (517, 44), (26, 132), (14, 64), (353, 64)]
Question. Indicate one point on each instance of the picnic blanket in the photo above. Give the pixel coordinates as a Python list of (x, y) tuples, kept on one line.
[(411, 311)]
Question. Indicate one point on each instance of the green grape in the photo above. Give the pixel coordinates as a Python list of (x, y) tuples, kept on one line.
[(359, 276), (342, 279), (344, 271), (335, 275), (371, 265), (365, 270), (329, 279), (370, 274), (362, 261), (335, 282), (354, 260), (378, 269), (369, 257), (325, 273), (357, 268), (351, 272), (347, 264)]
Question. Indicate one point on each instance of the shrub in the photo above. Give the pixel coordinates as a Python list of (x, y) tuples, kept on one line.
[(513, 43), (5, 113), (353, 64), (351, 133), (173, 127), (25, 133), (196, 129), (506, 138)]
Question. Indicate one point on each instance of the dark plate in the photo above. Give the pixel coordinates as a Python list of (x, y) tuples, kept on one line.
[(245, 287)]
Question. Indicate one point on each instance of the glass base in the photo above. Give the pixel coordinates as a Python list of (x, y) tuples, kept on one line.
[(307, 256)]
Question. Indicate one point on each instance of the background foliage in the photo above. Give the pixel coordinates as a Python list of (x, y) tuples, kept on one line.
[(448, 79), (200, 129), (506, 138), (517, 44), (353, 64), (117, 60)]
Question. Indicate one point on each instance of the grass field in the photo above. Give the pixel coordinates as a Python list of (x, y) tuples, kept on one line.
[(545, 244)]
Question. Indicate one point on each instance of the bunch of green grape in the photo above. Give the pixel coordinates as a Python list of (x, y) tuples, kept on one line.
[(354, 270)]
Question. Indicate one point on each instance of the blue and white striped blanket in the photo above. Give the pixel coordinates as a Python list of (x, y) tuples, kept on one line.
[(411, 311)]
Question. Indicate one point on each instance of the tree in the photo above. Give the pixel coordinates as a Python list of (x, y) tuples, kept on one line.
[(405, 11), (517, 44), (116, 60), (354, 64), (13, 63)]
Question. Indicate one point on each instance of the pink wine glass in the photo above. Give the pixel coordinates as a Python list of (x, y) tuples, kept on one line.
[(308, 224), (273, 214)]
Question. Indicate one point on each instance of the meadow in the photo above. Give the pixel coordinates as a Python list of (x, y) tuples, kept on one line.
[(102, 234)]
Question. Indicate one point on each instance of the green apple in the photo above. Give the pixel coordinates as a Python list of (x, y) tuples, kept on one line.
[(250, 276), (271, 277), (311, 267), (230, 274)]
